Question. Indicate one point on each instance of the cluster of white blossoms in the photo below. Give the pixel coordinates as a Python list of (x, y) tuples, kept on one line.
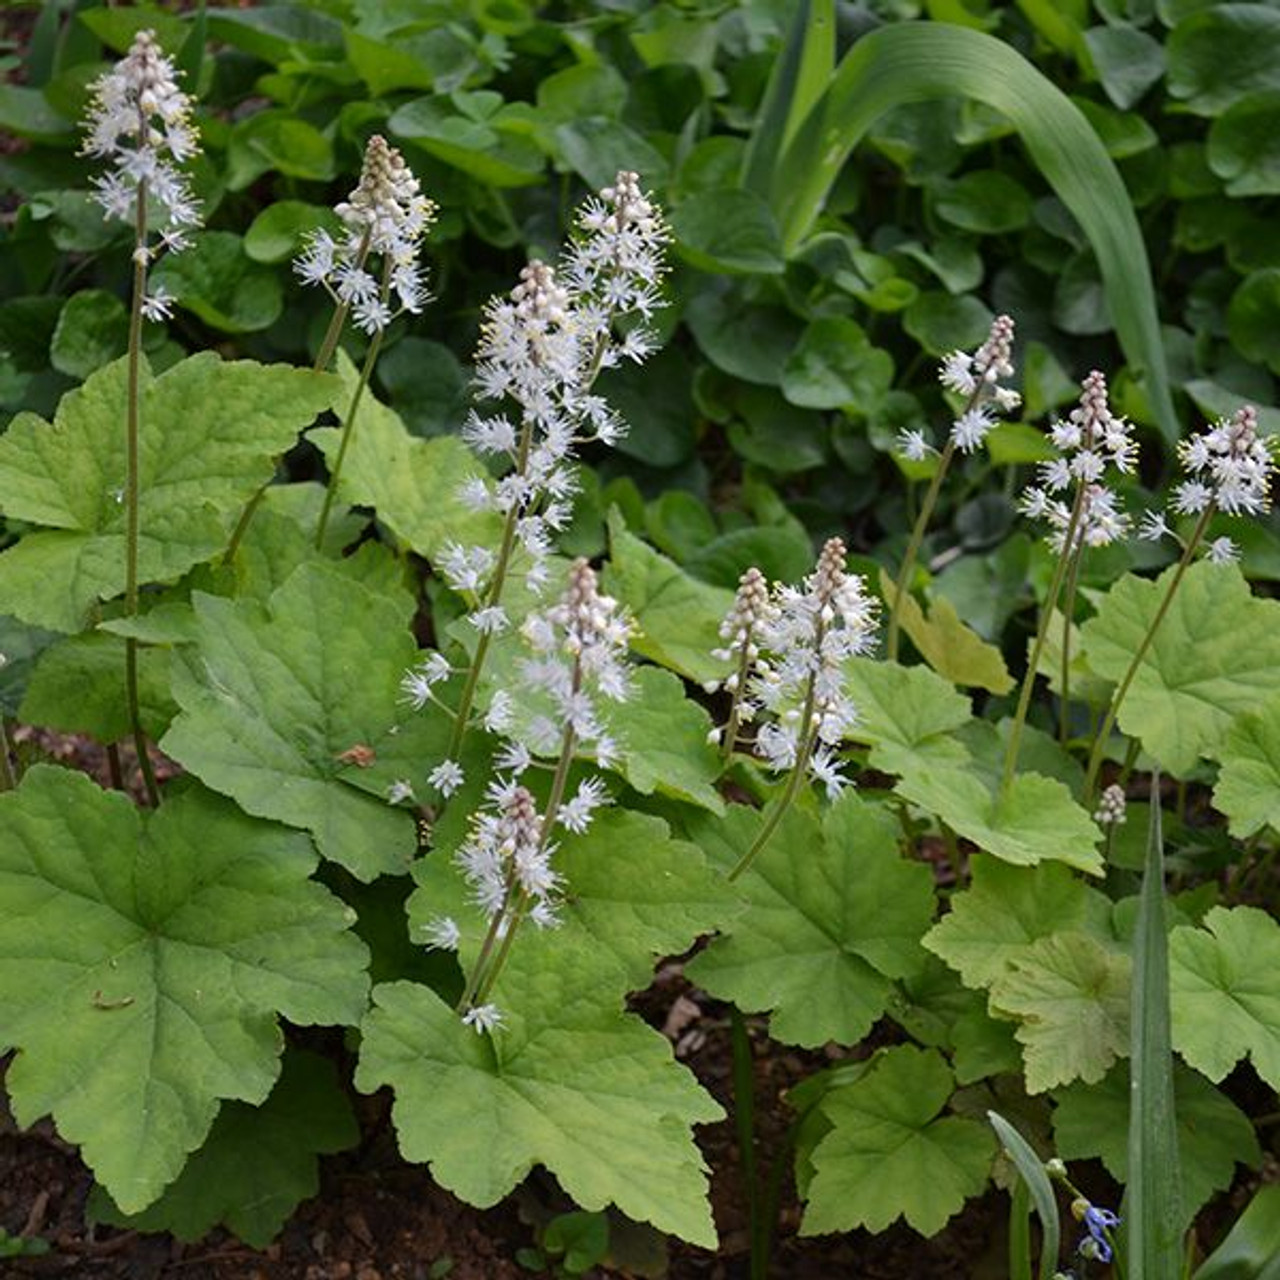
[(386, 214), (740, 627), (1112, 804), (800, 640), (140, 120), (977, 377), (1228, 468), (541, 349), (1091, 440)]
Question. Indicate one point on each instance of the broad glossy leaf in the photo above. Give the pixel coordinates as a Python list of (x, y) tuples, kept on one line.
[(257, 1164), (1215, 655), (984, 201), (278, 702), (144, 961), (1244, 148), (218, 281), (93, 330), (1222, 53), (1128, 61), (835, 366), (1006, 909), (833, 913), (1248, 787), (1214, 1135), (570, 1082), (729, 230), (413, 484), (277, 140), (209, 434), (890, 1153), (1225, 987), (751, 342), (1070, 995), (1254, 314)]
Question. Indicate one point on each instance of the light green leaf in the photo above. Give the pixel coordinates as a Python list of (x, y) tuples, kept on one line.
[(1213, 1133), (570, 1083), (952, 649), (209, 434), (274, 700), (664, 741), (1248, 787), (679, 617), (146, 958), (1006, 909), (1070, 995), (833, 912), (413, 484), (1215, 655), (889, 1153), (1225, 988), (258, 1163)]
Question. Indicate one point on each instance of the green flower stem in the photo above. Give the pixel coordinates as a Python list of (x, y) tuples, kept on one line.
[(799, 770), (1068, 612), (1117, 698), (349, 422), (132, 485), (8, 776), (907, 571), (1037, 648), (493, 597), (552, 811)]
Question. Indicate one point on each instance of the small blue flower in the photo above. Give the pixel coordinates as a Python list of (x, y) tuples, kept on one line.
[(1098, 1222)]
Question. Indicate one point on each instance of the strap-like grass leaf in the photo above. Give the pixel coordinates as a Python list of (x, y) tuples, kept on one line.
[(914, 62), (1031, 1167)]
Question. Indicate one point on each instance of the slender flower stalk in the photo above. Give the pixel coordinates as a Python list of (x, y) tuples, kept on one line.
[(139, 121), (542, 349), (1228, 469), (977, 378), (1090, 441), (797, 687)]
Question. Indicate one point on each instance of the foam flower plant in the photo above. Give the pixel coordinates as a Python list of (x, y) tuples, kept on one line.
[(1074, 498), (139, 121), (979, 379), (541, 350), (794, 648)]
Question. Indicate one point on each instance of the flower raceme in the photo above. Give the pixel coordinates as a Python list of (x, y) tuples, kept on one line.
[(386, 214), (140, 121)]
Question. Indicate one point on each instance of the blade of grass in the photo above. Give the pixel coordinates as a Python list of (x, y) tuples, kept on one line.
[(1031, 1168), (800, 77), (1020, 1232), (1251, 1250), (1153, 1211), (917, 61)]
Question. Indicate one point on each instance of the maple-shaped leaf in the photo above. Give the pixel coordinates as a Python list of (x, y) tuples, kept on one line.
[(1070, 996), (833, 913), (258, 1163), (1215, 655), (1224, 988), (1005, 909), (631, 892), (948, 763), (890, 1153), (1248, 787), (144, 961), (413, 484), (209, 434), (569, 1082), (283, 706), (1213, 1133)]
